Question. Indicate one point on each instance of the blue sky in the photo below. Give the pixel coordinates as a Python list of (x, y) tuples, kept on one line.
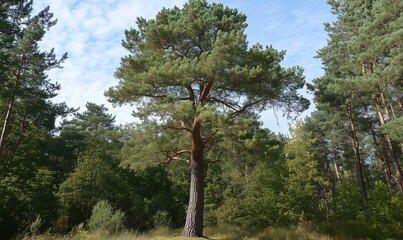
[(91, 32)]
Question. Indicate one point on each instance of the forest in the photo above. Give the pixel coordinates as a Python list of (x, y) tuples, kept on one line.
[(198, 163)]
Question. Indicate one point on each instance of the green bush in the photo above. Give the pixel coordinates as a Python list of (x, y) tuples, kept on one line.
[(384, 213), (162, 219), (105, 218), (35, 226)]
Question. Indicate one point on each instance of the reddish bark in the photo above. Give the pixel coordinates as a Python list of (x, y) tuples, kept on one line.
[(194, 218)]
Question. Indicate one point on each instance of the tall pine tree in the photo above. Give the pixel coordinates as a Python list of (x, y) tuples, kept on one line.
[(190, 63)]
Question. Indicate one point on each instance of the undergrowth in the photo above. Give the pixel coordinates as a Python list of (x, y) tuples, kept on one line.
[(323, 231)]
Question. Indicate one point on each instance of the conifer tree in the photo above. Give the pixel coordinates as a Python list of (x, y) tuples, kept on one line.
[(27, 118), (25, 86), (363, 76), (191, 63)]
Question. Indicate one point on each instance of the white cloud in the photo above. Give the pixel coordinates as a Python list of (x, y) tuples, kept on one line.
[(294, 26), (91, 32)]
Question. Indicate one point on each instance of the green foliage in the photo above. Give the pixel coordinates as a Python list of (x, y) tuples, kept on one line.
[(26, 191), (162, 219), (394, 128), (191, 67), (155, 188), (27, 117), (384, 214), (35, 226), (178, 176), (97, 175), (95, 179), (347, 204), (173, 51), (190, 72), (301, 194), (250, 190), (105, 218), (216, 185)]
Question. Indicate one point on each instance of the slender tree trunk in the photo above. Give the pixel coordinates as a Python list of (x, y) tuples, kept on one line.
[(392, 110), (396, 165), (392, 116), (20, 135), (7, 119), (6, 124), (385, 165), (389, 144), (356, 148), (336, 168), (194, 218), (332, 185)]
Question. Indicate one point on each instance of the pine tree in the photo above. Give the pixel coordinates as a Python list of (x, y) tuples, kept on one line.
[(186, 66), (27, 118), (25, 86)]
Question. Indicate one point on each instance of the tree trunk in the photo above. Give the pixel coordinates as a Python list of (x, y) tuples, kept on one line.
[(396, 164), (385, 165), (194, 218), (6, 125), (331, 181), (334, 161), (356, 148), (19, 137), (389, 144)]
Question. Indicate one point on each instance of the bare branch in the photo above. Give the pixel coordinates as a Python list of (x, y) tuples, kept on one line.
[(224, 103), (174, 156), (246, 106), (182, 127), (218, 158)]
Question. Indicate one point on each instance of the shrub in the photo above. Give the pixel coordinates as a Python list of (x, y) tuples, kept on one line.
[(35, 226), (105, 218), (162, 219)]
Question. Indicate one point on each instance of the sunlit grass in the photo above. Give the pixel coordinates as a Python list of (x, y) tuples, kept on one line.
[(300, 232)]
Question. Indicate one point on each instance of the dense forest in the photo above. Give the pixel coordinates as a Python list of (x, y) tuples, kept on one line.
[(199, 157)]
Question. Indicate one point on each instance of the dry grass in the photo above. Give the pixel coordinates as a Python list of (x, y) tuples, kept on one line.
[(223, 233)]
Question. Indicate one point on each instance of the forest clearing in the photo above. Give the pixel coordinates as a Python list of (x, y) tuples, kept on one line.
[(194, 160), (304, 232)]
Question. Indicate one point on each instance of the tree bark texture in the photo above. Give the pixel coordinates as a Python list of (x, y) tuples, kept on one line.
[(194, 217), (356, 148)]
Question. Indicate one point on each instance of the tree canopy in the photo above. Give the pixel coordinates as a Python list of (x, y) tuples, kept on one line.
[(199, 156), (189, 65)]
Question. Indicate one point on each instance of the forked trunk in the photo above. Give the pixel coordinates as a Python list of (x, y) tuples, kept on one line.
[(194, 217)]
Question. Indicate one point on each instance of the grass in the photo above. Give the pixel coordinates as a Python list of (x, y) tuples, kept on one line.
[(324, 231), (222, 233)]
